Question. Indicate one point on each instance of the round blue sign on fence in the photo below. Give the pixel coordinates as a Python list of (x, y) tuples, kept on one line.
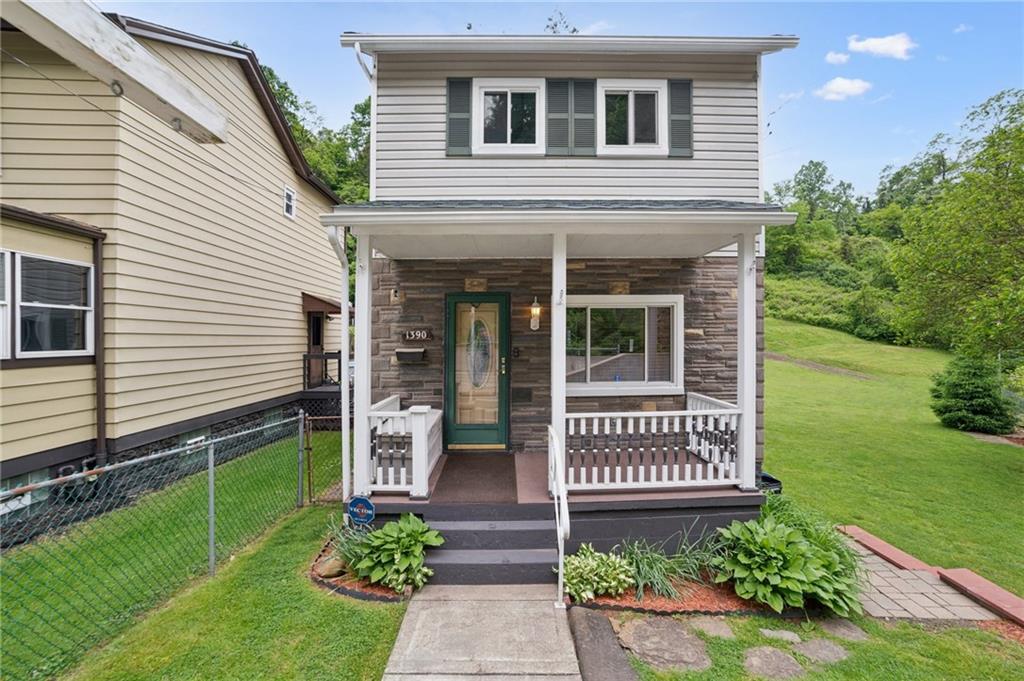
[(361, 510)]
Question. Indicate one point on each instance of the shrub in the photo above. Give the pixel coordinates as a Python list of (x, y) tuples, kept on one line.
[(968, 396), (767, 562), (590, 573), (789, 555), (838, 587), (392, 555)]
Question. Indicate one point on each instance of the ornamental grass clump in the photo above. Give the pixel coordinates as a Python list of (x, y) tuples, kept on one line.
[(659, 569), (590, 573), (392, 555), (789, 556)]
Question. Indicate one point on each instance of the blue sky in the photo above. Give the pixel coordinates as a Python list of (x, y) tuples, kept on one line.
[(897, 93)]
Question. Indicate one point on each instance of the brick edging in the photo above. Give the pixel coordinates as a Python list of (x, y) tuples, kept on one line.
[(974, 586)]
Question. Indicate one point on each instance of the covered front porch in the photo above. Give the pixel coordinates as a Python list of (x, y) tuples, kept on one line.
[(594, 301)]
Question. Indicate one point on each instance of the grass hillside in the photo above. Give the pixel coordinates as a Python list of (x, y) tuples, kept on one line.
[(862, 445)]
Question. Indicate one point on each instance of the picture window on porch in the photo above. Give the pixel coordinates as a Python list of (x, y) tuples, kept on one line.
[(509, 115), (623, 345)]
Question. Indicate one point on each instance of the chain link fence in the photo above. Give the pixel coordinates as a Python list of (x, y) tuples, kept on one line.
[(83, 555)]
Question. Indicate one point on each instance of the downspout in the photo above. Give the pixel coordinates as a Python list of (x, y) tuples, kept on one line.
[(337, 235), (99, 349)]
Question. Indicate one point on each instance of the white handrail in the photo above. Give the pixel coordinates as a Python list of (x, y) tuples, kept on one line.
[(556, 483)]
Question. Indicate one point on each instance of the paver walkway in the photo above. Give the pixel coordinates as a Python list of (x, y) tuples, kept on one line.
[(451, 633), (893, 592)]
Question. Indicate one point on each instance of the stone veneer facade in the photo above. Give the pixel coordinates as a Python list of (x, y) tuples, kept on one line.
[(709, 361)]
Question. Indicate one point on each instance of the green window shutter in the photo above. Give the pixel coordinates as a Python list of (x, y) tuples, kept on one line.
[(459, 109), (680, 118), (557, 112), (584, 119)]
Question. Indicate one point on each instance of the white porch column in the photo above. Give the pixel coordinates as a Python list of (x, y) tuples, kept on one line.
[(746, 352), (336, 235), (558, 311), (361, 387)]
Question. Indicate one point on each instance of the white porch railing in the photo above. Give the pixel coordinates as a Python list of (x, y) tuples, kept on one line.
[(559, 494), (405, 445), (697, 447)]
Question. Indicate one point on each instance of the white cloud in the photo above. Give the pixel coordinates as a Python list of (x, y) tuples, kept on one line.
[(941, 57), (790, 96), (838, 89), (963, 28), (879, 100), (837, 57), (897, 46), (599, 26)]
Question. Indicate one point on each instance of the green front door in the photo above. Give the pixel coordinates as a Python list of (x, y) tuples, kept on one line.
[(476, 371)]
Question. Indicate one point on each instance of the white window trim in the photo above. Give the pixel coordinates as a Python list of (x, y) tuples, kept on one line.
[(295, 202), (90, 330), (673, 387), (480, 85), (632, 85), (5, 311)]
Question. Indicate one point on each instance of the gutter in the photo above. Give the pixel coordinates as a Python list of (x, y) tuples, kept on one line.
[(99, 350)]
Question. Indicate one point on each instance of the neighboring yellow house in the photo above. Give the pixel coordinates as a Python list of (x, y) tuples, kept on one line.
[(152, 286)]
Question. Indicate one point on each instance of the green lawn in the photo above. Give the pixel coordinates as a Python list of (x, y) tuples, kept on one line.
[(897, 652), (68, 592), (871, 453), (259, 618)]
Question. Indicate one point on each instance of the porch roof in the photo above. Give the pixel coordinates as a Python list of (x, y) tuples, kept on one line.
[(511, 228)]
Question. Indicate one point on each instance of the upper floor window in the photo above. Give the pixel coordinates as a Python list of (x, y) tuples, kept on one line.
[(508, 116), (632, 116), (53, 307), (291, 201)]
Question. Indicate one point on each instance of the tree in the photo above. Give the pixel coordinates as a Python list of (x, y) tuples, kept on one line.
[(960, 267), (968, 395), (558, 24)]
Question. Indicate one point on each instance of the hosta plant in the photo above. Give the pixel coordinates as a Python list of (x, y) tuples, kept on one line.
[(393, 555), (767, 562), (590, 573)]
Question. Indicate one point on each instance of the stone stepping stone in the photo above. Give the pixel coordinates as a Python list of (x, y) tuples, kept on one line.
[(822, 650), (767, 662), (844, 629), (712, 626), (664, 643), (781, 635)]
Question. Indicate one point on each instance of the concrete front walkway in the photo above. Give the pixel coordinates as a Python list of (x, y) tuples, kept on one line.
[(461, 632)]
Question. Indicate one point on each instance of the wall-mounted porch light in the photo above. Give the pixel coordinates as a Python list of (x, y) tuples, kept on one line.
[(535, 315)]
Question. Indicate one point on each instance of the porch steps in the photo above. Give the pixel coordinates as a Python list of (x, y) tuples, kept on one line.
[(493, 566), (488, 547), (496, 534)]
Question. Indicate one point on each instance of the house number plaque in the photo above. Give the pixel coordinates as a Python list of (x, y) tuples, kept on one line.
[(418, 334)]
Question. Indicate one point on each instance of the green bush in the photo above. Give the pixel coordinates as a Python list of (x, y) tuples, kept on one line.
[(392, 555), (788, 556), (590, 573), (968, 396), (808, 301), (1015, 381)]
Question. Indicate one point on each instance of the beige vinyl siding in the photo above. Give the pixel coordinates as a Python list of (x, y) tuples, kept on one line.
[(205, 273), (45, 407), (57, 152), (410, 143)]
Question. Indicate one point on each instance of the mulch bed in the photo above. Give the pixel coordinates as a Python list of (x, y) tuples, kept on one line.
[(1011, 631), (694, 598), (350, 585)]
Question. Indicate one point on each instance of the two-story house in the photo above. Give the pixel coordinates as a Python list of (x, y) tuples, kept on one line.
[(154, 288), (558, 287)]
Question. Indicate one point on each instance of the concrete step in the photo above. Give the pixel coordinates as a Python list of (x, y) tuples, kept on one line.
[(492, 566), (496, 534)]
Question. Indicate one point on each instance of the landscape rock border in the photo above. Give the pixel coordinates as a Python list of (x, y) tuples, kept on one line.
[(347, 586)]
